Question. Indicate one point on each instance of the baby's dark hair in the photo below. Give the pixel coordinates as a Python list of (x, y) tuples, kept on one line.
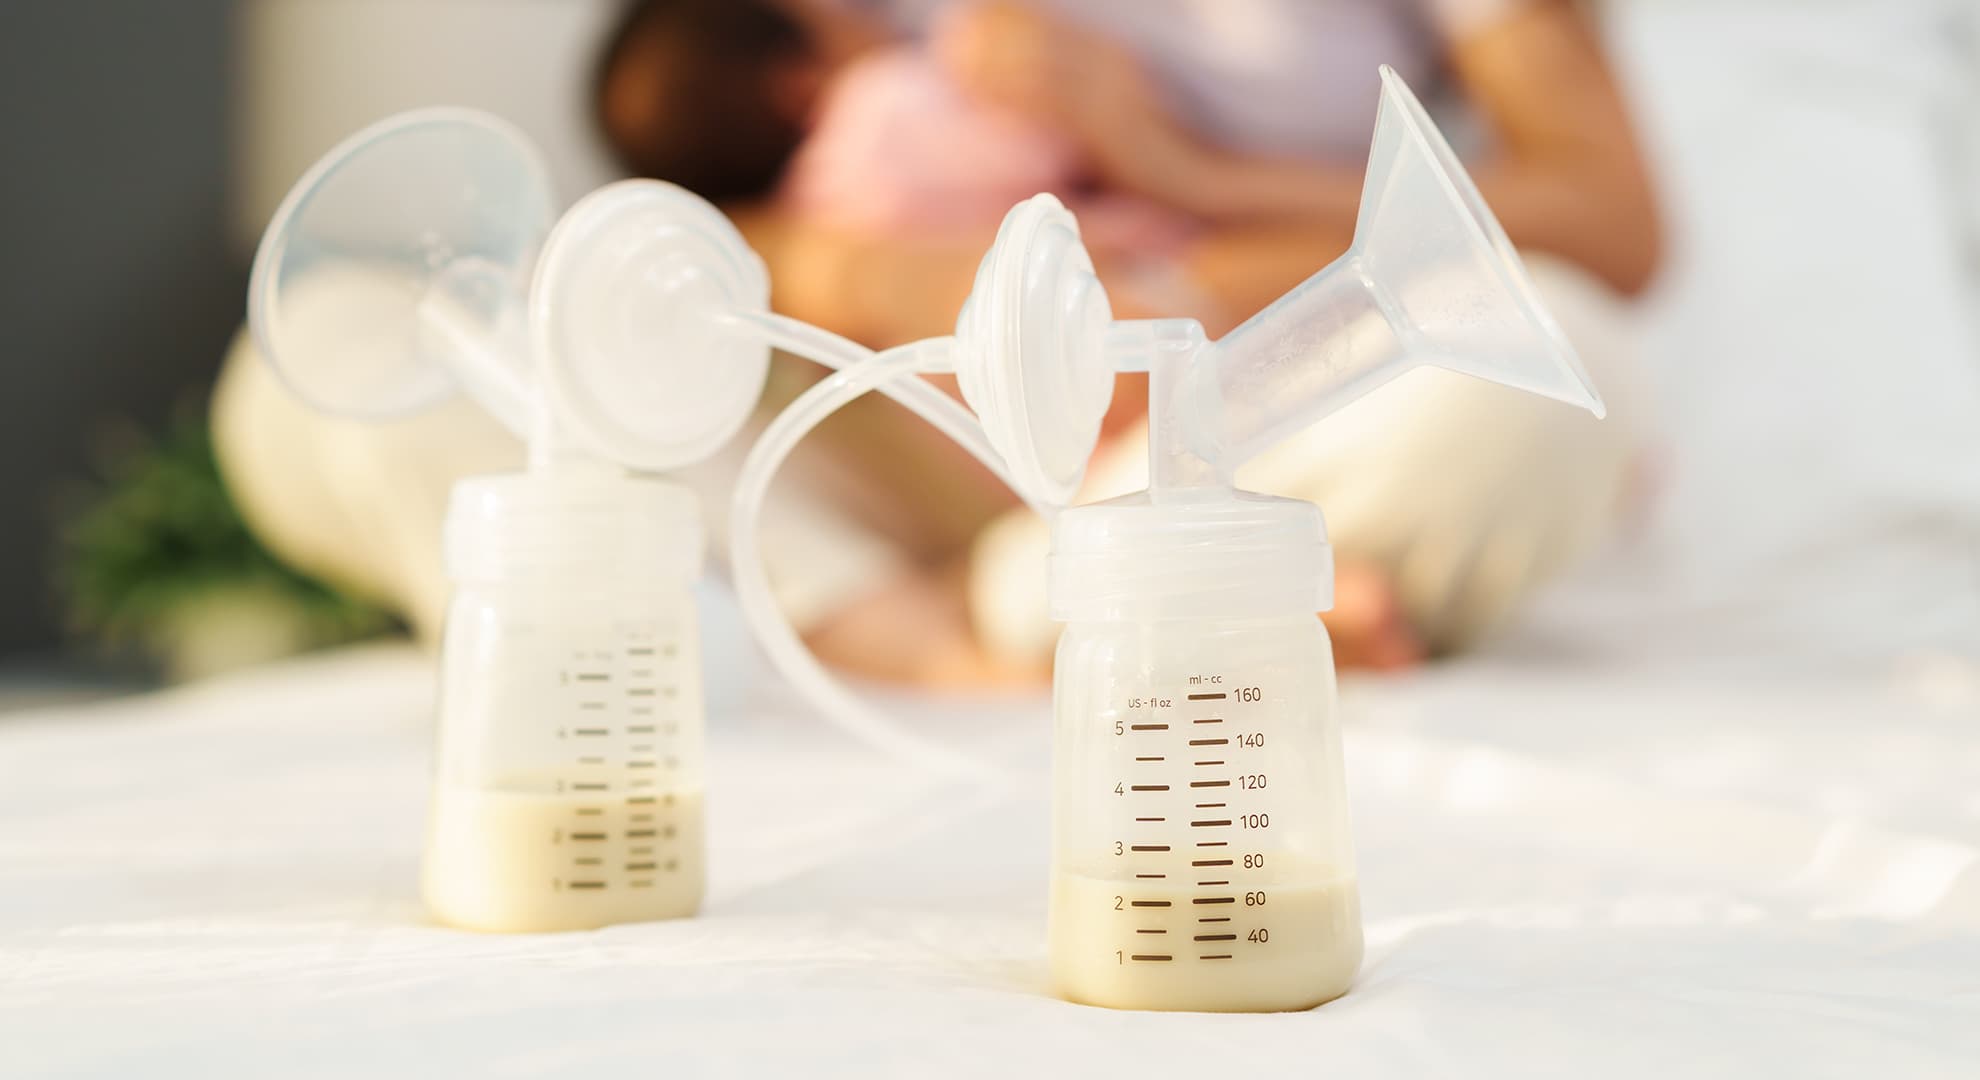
[(684, 92)]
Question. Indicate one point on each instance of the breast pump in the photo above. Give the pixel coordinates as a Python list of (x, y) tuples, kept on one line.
[(1201, 850), (418, 258)]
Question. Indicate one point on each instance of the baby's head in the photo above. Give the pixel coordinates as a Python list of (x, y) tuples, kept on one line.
[(709, 94)]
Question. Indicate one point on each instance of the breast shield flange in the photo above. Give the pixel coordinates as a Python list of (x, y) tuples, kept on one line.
[(417, 204)]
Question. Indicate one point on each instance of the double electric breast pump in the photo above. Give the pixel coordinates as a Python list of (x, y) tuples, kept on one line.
[(1201, 849)]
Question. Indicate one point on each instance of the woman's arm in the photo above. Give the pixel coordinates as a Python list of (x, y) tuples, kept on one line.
[(1569, 177), (1565, 177)]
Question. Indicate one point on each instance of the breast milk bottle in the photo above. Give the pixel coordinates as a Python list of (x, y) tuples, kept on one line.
[(568, 780), (1201, 851)]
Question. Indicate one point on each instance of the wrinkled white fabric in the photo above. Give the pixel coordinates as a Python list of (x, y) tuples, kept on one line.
[(1563, 875)]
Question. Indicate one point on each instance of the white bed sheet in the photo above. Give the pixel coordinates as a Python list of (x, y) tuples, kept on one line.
[(1562, 877)]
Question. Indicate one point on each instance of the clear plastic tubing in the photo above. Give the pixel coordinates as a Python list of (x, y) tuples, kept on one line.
[(858, 371), (827, 349)]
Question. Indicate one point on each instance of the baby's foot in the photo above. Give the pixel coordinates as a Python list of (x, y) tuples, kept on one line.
[(1368, 624)]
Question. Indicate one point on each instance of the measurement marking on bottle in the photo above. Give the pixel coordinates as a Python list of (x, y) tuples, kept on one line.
[(593, 676), (1151, 931), (587, 884), (594, 760), (1209, 783), (591, 731), (1210, 823), (640, 748), (591, 860), (1148, 727), (1163, 876), (1157, 757), (640, 650), (1216, 937), (640, 764), (640, 849), (1209, 763), (1210, 862), (1209, 720), (1211, 805), (1214, 900), (636, 834), (1213, 843), (1213, 883), (639, 691), (639, 800), (1214, 918), (589, 811), (639, 866), (1151, 819), (1208, 742), (639, 817), (640, 729), (1149, 787), (1208, 697), (1148, 847), (642, 710), (1215, 956), (1150, 956), (1148, 903), (643, 883), (591, 706), (591, 787), (589, 835), (639, 783)]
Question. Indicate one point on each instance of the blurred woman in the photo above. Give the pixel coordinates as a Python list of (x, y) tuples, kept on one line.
[(1447, 499)]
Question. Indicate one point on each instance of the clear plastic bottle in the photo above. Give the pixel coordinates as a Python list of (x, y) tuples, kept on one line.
[(568, 780), (1201, 852)]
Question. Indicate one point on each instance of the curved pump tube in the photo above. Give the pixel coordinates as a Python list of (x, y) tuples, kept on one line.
[(418, 259)]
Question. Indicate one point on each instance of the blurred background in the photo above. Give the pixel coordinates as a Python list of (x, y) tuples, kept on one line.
[(1812, 342)]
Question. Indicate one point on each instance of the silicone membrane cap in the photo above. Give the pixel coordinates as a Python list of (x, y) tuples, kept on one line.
[(623, 317), (339, 293), (1031, 350)]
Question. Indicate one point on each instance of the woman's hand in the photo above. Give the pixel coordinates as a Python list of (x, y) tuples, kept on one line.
[(1082, 83)]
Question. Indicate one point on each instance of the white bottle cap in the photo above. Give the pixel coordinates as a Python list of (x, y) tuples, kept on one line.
[(572, 522), (1190, 555)]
